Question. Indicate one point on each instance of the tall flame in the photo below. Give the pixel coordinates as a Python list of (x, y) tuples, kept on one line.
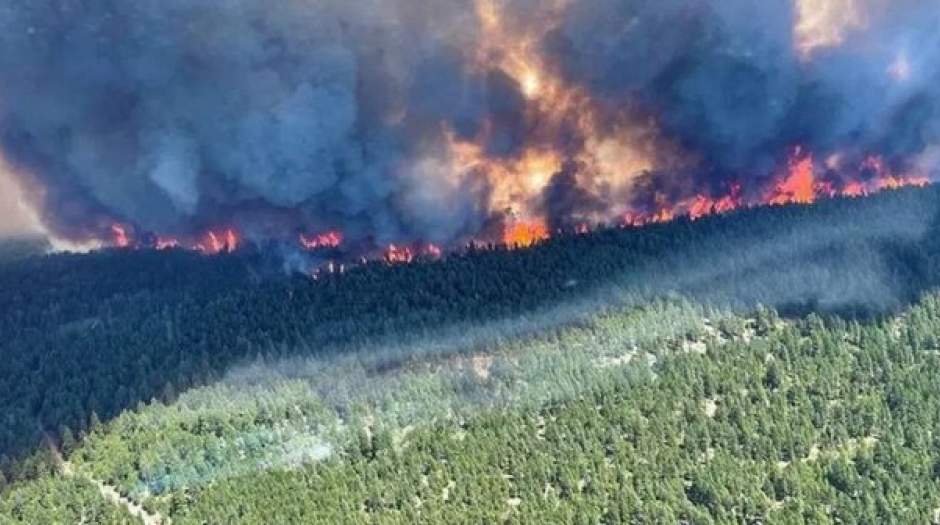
[(120, 236), (573, 137), (225, 241), (799, 186), (525, 234), (610, 158), (557, 115)]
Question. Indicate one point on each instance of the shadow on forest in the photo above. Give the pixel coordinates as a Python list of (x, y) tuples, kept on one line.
[(90, 336)]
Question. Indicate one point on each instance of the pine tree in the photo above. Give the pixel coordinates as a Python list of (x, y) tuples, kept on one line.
[(67, 439), (94, 423)]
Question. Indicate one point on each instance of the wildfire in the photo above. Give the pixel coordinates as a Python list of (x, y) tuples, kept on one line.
[(557, 113), (120, 238), (211, 243), (525, 234), (702, 205), (219, 242), (609, 159), (166, 243), (884, 179), (515, 50), (515, 183), (800, 184), (332, 239), (398, 254), (547, 126), (434, 251)]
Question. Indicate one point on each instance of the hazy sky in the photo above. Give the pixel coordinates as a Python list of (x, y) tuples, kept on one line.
[(15, 217)]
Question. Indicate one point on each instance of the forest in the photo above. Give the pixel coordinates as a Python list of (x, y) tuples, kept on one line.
[(772, 365)]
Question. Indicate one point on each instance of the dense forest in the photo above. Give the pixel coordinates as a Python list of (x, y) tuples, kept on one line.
[(760, 366), (15, 248)]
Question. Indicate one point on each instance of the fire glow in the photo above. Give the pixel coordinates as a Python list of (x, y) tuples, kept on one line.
[(332, 239), (401, 254), (213, 242), (800, 184), (501, 123)]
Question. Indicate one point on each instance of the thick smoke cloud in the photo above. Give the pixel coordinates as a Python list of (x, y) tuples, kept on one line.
[(727, 80), (182, 115), (172, 113)]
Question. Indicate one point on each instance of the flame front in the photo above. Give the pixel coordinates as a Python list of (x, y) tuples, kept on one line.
[(525, 234), (213, 243), (799, 185), (502, 122), (332, 239)]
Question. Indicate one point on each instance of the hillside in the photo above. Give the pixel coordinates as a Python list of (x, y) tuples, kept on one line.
[(13, 249), (755, 366)]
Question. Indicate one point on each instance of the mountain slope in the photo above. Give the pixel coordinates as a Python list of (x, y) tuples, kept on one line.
[(193, 378), (655, 414)]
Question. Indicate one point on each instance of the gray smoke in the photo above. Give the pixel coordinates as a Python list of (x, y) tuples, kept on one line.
[(173, 113), (725, 80), (180, 115)]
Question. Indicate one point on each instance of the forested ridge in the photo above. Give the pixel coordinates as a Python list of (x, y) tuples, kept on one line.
[(624, 375)]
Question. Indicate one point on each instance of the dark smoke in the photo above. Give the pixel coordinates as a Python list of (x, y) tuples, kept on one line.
[(566, 204), (725, 81), (180, 115), (174, 113)]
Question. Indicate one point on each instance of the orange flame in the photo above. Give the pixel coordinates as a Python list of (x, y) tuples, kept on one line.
[(703, 205), (525, 234), (219, 242), (799, 183), (854, 189), (332, 239), (120, 238), (398, 254), (611, 157), (799, 186), (885, 179)]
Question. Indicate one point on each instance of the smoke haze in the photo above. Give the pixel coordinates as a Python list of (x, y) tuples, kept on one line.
[(16, 219)]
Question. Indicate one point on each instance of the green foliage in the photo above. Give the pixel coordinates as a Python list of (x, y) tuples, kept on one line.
[(17, 248), (821, 443), (567, 383), (814, 422), (59, 500), (99, 333)]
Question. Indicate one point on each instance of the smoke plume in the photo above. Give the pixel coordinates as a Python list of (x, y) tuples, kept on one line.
[(15, 218), (428, 120)]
